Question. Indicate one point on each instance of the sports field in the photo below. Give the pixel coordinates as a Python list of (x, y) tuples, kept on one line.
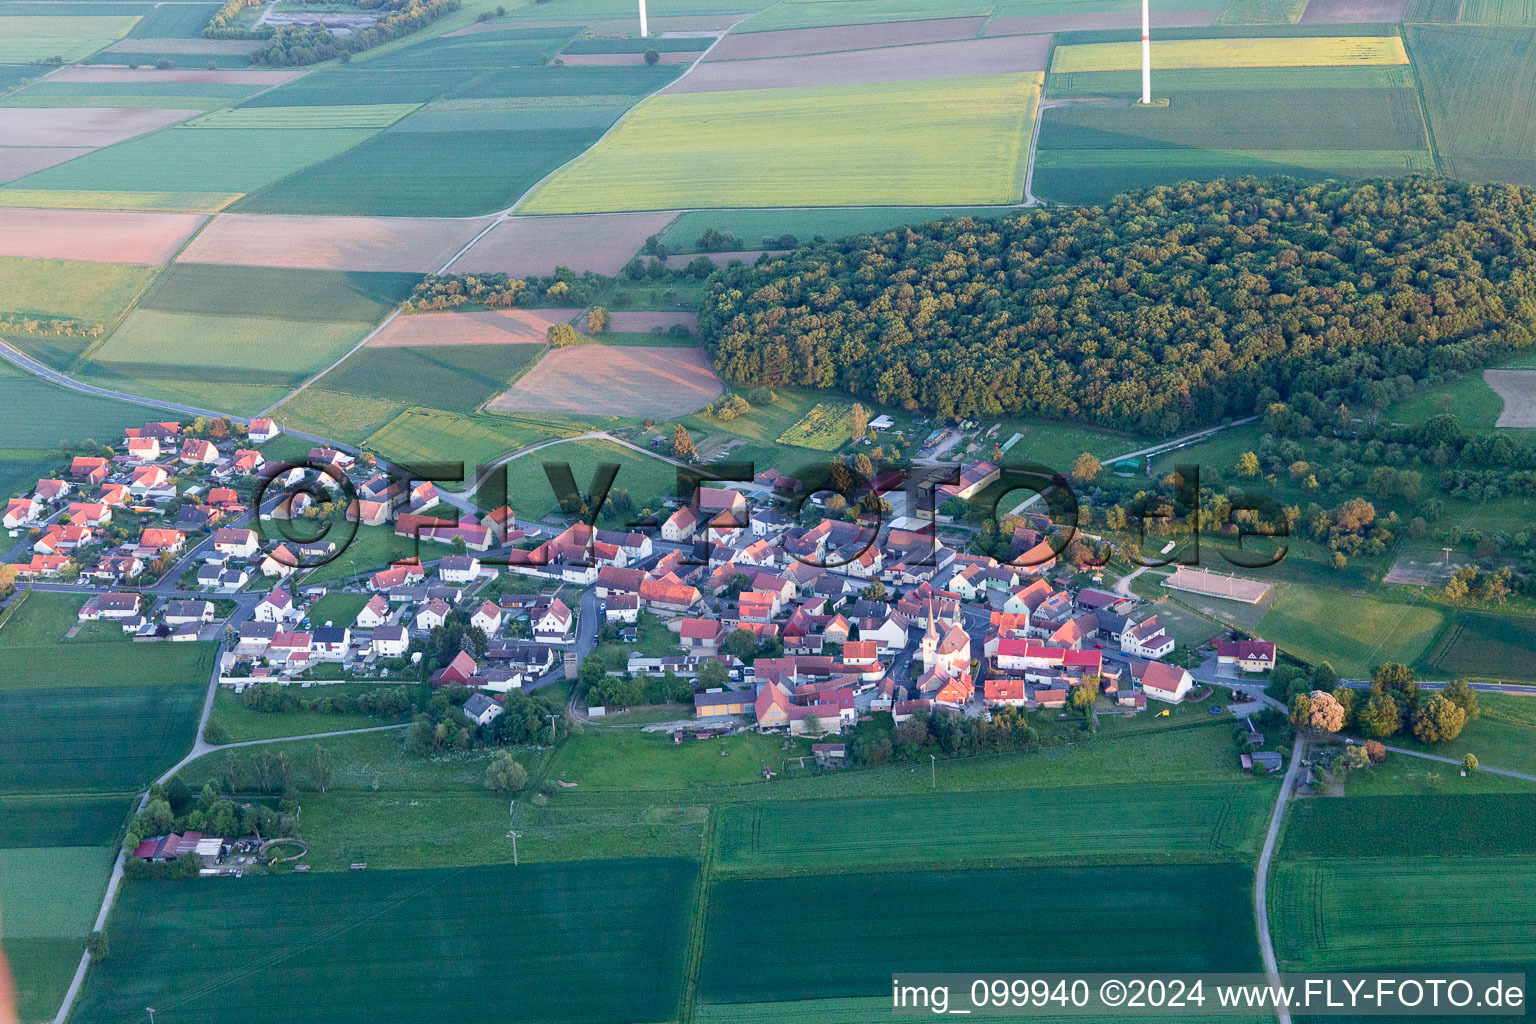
[(852, 145), (1278, 52), (1476, 910), (1111, 825), (1081, 919), (594, 942)]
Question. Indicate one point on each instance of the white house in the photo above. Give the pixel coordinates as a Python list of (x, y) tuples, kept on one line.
[(481, 710), (1146, 640), (552, 624), (434, 614), (487, 618), (374, 614), (459, 569), (1162, 681), (623, 608), (262, 430), (390, 641), (275, 607), (234, 543)]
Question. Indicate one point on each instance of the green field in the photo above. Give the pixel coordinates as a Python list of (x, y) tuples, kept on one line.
[(1355, 631), (1081, 919), (1468, 825), (596, 942), (37, 656), (94, 738), (456, 378), (239, 723), (1112, 825), (848, 145), (52, 892), (96, 293), (1361, 121), (818, 14), (239, 349), (826, 427), (212, 289), (1238, 52), (1261, 12), (629, 760), (1479, 84), (1475, 404), (431, 435), (36, 414), (1498, 12), (334, 414), (73, 37), (197, 160), (378, 115), (1487, 646), (70, 820), (372, 548), (1476, 910), (528, 489)]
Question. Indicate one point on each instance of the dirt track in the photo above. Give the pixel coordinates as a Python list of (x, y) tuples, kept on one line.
[(794, 41)]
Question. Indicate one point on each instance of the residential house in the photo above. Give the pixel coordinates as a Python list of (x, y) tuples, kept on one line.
[(1162, 681), (92, 469), (1247, 655), (51, 490), (390, 641), (89, 513), (261, 431), (622, 608), (668, 595), (461, 671), (178, 612), (21, 511), (233, 543), (160, 540), (459, 569), (277, 606), (706, 635), (197, 452), (110, 606), (280, 562), (552, 623), (432, 615), (374, 614), (143, 449), (487, 618), (331, 642), (149, 481), (60, 540), (42, 565), (1146, 640), (481, 710)]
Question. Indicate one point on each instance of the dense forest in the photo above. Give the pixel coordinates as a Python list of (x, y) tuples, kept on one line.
[(1169, 308)]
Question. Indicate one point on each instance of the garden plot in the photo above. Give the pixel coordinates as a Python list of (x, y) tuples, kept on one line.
[(891, 64), (604, 380), (332, 243)]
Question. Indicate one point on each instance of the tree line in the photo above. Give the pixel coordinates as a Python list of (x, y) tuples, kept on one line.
[(1168, 309), (299, 45)]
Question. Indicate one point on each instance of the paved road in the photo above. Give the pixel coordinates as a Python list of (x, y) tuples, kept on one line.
[(1261, 874), (1457, 762)]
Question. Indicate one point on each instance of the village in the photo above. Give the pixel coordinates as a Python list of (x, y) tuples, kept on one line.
[(777, 622)]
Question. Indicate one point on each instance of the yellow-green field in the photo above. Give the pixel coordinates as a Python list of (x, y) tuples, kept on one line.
[(73, 37), (1174, 54), (85, 199), (953, 140), (372, 115)]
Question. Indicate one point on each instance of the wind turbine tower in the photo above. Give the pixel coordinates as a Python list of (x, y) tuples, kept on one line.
[(643, 31), (1146, 49)]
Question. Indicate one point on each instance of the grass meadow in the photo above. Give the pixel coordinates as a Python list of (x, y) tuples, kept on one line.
[(239, 723), (1354, 630), (212, 289), (596, 942), (240, 349), (455, 378), (37, 655), (434, 435), (849, 145), (97, 293), (25, 38)]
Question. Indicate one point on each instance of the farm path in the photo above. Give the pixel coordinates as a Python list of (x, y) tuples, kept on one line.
[(1261, 875)]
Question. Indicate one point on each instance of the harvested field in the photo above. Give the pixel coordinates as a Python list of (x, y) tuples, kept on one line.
[(101, 236), (862, 67), (1089, 21), (1518, 389), (796, 41), (1245, 52), (640, 321), (110, 75), (604, 380), (1353, 12), (490, 327), (20, 161), (536, 245), (334, 243), (81, 126), (615, 59)]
